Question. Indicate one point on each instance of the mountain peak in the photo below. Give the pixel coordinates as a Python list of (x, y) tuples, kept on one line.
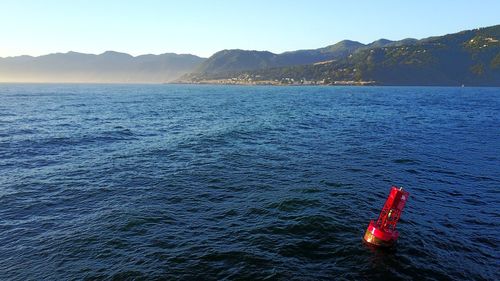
[(380, 43), (115, 54), (346, 42), (343, 47)]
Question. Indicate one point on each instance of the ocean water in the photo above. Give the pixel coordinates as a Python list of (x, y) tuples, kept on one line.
[(167, 182)]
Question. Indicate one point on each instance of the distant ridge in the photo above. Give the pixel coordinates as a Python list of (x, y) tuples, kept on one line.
[(108, 67)]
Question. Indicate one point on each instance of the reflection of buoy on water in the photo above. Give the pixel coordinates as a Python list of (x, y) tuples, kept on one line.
[(383, 232)]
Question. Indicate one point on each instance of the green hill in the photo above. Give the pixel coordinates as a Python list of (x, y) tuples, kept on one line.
[(469, 57), (227, 61)]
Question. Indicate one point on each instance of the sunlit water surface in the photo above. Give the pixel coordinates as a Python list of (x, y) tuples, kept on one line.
[(227, 182)]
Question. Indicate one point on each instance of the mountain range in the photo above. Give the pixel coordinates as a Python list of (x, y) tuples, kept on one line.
[(470, 57), (108, 67), (238, 60)]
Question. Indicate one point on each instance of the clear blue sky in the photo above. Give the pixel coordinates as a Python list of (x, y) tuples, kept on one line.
[(204, 27)]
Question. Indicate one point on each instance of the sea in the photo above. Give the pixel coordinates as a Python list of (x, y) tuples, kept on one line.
[(208, 182)]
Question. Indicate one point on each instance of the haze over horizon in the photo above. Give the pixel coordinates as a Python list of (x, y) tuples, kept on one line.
[(195, 27)]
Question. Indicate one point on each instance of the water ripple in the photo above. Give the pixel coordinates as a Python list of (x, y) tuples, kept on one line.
[(165, 182)]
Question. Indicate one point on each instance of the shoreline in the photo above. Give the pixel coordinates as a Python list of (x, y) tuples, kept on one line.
[(247, 84), (274, 83)]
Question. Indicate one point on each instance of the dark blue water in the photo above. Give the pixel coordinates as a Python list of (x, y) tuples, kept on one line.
[(279, 183)]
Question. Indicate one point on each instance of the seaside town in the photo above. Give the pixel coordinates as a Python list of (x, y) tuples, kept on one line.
[(246, 79)]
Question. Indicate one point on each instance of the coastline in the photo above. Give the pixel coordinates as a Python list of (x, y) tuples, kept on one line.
[(274, 83)]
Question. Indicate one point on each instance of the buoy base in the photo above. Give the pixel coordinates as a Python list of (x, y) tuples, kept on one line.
[(375, 236)]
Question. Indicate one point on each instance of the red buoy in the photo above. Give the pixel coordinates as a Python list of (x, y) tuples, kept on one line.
[(383, 232)]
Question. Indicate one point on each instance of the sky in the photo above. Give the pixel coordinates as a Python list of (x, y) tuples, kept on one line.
[(38, 27)]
